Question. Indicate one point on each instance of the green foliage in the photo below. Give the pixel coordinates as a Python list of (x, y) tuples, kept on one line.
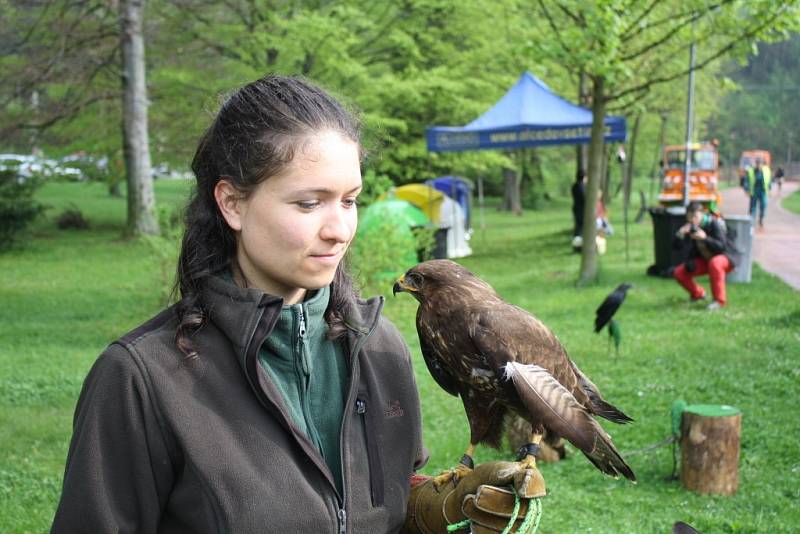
[(424, 241), (380, 253), (759, 114), (18, 208), (373, 186), (166, 246)]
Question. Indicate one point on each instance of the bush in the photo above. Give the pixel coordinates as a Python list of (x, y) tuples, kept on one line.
[(166, 247), (380, 253), (373, 186), (17, 207), (72, 218)]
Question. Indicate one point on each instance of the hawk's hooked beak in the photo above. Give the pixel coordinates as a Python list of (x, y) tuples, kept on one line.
[(401, 286)]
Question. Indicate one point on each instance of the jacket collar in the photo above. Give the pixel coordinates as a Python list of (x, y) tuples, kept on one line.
[(237, 312)]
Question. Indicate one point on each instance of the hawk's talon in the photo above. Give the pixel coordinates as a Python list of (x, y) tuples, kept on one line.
[(451, 475)]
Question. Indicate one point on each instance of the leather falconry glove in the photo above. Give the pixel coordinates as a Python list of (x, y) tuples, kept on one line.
[(478, 496)]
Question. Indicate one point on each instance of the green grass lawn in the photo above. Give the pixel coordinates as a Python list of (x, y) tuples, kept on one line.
[(69, 293), (792, 202)]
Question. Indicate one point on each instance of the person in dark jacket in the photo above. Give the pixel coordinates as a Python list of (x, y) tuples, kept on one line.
[(578, 202), (270, 398), (708, 253)]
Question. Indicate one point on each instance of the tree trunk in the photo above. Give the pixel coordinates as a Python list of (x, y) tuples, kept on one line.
[(511, 197), (656, 176), (710, 452), (581, 151), (141, 199), (627, 184), (588, 272)]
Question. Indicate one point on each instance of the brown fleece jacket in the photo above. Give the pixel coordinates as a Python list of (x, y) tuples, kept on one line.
[(165, 444)]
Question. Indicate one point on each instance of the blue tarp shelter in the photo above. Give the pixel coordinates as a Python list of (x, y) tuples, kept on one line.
[(529, 114)]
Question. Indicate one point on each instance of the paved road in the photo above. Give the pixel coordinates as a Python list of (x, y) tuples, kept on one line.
[(776, 247)]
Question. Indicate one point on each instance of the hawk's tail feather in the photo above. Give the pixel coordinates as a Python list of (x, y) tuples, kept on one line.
[(608, 411), (606, 458), (599, 405)]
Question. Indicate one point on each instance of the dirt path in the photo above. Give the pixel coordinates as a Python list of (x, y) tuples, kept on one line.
[(776, 247)]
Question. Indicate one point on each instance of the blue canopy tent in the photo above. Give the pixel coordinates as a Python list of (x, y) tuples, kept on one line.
[(529, 114)]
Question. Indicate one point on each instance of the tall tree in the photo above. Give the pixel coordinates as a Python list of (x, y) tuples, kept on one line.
[(628, 48), (136, 142)]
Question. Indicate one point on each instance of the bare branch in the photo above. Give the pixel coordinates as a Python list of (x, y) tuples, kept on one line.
[(669, 34), (645, 12), (569, 13), (553, 26), (749, 34), (672, 17)]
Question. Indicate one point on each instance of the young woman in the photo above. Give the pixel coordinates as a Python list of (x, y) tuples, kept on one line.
[(269, 398)]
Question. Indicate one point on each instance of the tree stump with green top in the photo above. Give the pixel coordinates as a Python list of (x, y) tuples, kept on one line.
[(709, 442)]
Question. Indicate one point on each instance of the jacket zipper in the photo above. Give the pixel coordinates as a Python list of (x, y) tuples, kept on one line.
[(301, 334), (373, 458), (256, 340), (357, 344)]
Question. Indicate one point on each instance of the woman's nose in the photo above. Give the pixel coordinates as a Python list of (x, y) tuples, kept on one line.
[(339, 225)]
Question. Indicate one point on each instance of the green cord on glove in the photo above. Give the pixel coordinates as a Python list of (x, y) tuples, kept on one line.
[(529, 526)]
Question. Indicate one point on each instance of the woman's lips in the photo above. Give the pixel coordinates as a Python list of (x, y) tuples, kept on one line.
[(329, 257)]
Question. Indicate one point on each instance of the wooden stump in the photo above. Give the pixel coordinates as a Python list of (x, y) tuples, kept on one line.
[(518, 432), (710, 449)]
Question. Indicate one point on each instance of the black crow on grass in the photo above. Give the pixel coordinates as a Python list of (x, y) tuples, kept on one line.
[(606, 311)]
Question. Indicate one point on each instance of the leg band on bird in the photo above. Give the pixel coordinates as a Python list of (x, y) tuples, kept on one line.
[(467, 460), (530, 449)]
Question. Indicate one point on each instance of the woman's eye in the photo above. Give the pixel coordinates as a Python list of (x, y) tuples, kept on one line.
[(350, 202), (308, 204)]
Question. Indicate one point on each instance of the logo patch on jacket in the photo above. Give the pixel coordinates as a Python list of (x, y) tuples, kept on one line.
[(394, 410)]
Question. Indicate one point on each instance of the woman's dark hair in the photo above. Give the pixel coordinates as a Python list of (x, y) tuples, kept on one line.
[(255, 135)]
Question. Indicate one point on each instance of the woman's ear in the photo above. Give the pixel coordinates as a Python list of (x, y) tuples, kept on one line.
[(229, 202)]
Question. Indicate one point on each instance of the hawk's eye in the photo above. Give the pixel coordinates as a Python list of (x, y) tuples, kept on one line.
[(414, 278)]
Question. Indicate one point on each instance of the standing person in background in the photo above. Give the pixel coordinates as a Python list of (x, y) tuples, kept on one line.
[(709, 253), (779, 177), (578, 203), (270, 398), (758, 184)]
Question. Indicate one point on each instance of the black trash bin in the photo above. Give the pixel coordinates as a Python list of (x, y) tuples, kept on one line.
[(666, 222)]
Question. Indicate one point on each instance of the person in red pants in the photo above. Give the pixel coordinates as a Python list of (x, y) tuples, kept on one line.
[(709, 253)]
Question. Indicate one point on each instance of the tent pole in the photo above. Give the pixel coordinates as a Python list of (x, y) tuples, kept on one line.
[(480, 210)]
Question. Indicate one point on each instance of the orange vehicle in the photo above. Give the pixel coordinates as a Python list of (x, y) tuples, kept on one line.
[(703, 174), (749, 157)]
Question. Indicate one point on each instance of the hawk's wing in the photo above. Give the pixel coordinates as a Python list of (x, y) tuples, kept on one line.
[(501, 338), (436, 367)]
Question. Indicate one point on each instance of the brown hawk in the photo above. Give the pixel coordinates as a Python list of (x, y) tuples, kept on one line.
[(498, 357)]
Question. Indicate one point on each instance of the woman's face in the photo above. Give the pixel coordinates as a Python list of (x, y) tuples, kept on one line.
[(295, 227), (695, 217)]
